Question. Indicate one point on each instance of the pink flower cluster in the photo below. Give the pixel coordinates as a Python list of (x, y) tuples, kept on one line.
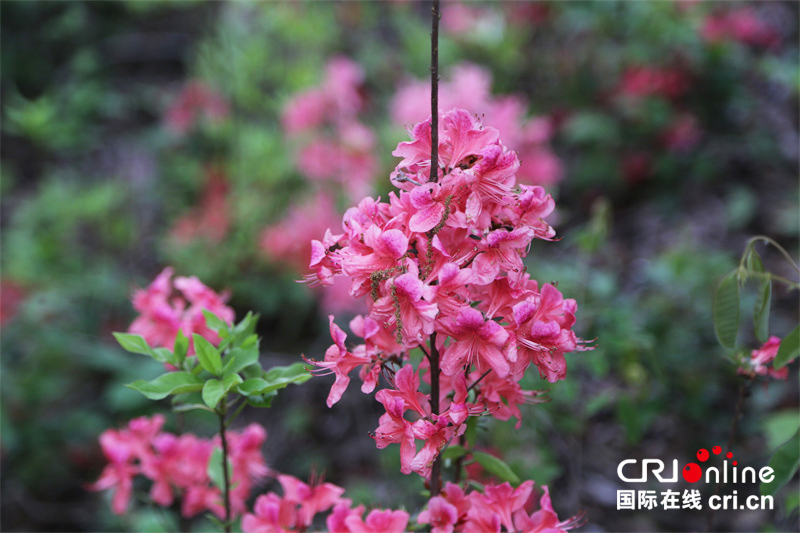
[(196, 101), (741, 25), (336, 147), (178, 465), (470, 88), (301, 502), (760, 358), (166, 308), (497, 508), (440, 266)]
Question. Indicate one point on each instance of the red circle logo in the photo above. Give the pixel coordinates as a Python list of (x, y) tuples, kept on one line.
[(702, 455), (692, 472)]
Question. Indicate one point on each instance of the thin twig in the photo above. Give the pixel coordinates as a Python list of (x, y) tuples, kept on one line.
[(225, 474), (743, 386), (435, 92), (478, 380), (766, 240)]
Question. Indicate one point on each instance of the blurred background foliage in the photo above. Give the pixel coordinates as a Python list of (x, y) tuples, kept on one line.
[(137, 135)]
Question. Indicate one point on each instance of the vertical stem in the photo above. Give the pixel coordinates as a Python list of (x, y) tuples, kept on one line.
[(743, 386), (436, 469), (225, 474), (435, 92)]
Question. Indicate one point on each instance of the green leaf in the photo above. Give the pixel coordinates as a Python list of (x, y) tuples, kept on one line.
[(239, 359), (263, 400), (278, 377), (133, 343), (249, 341), (181, 348), (185, 407), (214, 390), (779, 427), (252, 386), (789, 349), (761, 310), (166, 384), (214, 322), (726, 310), (496, 467), (214, 469), (454, 452), (784, 463), (471, 433), (163, 355), (244, 329), (208, 355), (284, 375), (763, 298)]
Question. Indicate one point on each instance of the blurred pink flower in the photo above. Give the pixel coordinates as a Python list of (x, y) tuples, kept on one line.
[(11, 297), (682, 134), (178, 466), (742, 25), (287, 241), (210, 219), (641, 81), (195, 100)]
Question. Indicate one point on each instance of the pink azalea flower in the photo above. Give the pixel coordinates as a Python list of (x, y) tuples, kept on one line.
[(445, 258), (245, 453), (340, 361), (500, 249), (469, 87), (163, 312), (393, 428), (441, 515), (412, 298), (178, 466), (760, 358), (378, 521), (545, 519), (406, 387), (500, 500), (384, 250), (474, 340), (312, 499), (271, 515), (337, 520), (435, 437)]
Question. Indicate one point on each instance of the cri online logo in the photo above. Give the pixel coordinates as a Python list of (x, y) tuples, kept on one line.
[(693, 472)]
